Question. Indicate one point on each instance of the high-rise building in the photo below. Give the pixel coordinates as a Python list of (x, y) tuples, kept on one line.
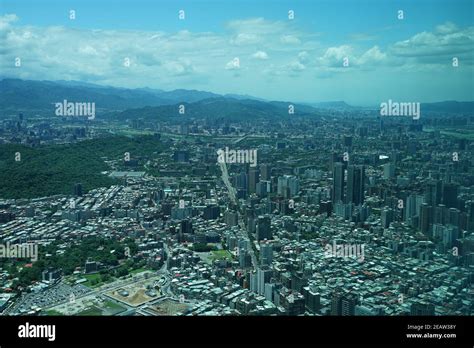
[(186, 226), (450, 195), (355, 184), (312, 299), (231, 218), (265, 171), (240, 181), (454, 217), (343, 304), (347, 140), (269, 291), (211, 212), (266, 254), (439, 216), (348, 304), (387, 216), (413, 206), (389, 171), (470, 215), (338, 183), (264, 275), (433, 192), (263, 188), (254, 178), (78, 189), (264, 230), (426, 218), (245, 260), (254, 282), (288, 186)]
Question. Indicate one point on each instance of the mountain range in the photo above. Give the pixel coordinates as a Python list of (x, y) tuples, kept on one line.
[(39, 96)]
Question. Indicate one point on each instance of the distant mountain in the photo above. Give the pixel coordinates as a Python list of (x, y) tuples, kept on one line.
[(24, 95), (334, 105), (242, 97), (188, 96), (298, 108), (220, 108), (450, 106), (19, 94), (41, 95), (143, 103)]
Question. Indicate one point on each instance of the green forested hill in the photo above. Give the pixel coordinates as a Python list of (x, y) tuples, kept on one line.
[(50, 170)]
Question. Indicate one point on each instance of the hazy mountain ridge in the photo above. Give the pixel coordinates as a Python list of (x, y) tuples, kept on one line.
[(228, 109), (149, 103)]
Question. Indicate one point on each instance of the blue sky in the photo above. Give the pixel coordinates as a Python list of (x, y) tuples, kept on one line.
[(248, 47)]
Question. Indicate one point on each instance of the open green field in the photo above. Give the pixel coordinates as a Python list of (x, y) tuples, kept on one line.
[(92, 311), (95, 280), (107, 308), (221, 255)]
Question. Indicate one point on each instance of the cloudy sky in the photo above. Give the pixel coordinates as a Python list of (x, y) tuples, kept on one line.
[(249, 46)]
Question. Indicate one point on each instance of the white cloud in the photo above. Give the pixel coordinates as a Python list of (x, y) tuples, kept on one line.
[(303, 57), (372, 56), (234, 64), (290, 39), (334, 56), (447, 28), (178, 68), (296, 66), (245, 39), (430, 47), (6, 20), (260, 55)]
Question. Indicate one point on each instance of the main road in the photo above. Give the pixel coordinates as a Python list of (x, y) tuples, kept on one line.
[(233, 198)]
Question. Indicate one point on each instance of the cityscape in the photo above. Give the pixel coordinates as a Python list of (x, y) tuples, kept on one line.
[(135, 184)]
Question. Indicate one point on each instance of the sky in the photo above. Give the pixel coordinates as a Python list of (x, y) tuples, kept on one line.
[(358, 51)]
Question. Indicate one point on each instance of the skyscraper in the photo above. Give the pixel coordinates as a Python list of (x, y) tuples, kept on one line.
[(426, 218), (264, 228), (343, 304), (265, 171), (355, 184), (450, 195), (78, 189), (266, 254), (254, 177), (388, 171), (288, 186), (338, 183), (264, 275)]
